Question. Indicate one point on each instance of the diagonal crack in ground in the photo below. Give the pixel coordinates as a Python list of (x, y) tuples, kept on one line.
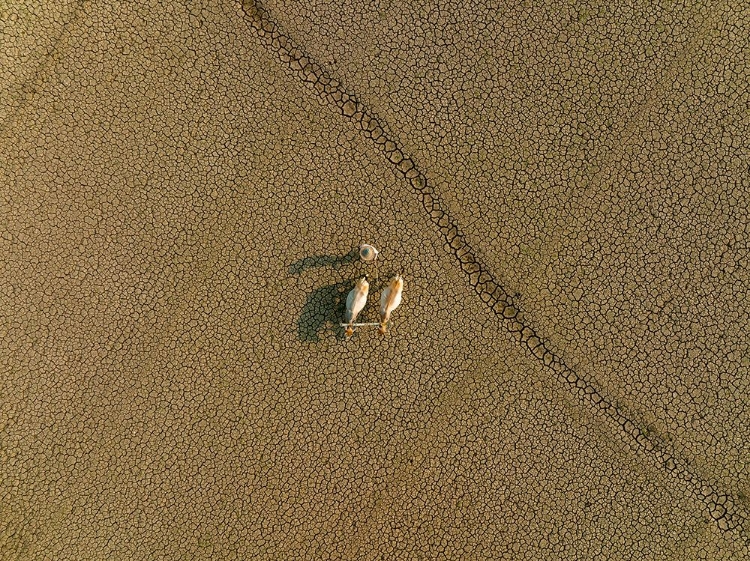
[(722, 507)]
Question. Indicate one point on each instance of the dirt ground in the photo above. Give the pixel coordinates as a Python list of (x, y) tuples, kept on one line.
[(563, 186)]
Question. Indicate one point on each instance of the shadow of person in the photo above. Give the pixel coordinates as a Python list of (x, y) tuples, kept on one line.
[(324, 305), (334, 261)]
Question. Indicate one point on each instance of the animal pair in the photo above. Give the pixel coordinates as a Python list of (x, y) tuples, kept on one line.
[(389, 301)]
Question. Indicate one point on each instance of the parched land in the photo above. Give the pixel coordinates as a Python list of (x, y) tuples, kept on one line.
[(564, 188)]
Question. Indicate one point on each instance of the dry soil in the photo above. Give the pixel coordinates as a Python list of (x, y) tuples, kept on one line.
[(564, 187)]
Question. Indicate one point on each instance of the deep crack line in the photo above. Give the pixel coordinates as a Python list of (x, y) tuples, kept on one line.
[(721, 507)]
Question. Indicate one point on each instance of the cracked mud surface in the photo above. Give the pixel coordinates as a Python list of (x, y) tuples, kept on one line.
[(565, 191)]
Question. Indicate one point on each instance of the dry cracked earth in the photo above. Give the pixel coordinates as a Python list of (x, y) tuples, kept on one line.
[(563, 185)]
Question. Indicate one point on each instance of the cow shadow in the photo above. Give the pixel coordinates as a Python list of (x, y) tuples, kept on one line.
[(325, 306)]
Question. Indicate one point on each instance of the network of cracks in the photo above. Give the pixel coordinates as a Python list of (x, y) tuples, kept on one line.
[(722, 507)]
